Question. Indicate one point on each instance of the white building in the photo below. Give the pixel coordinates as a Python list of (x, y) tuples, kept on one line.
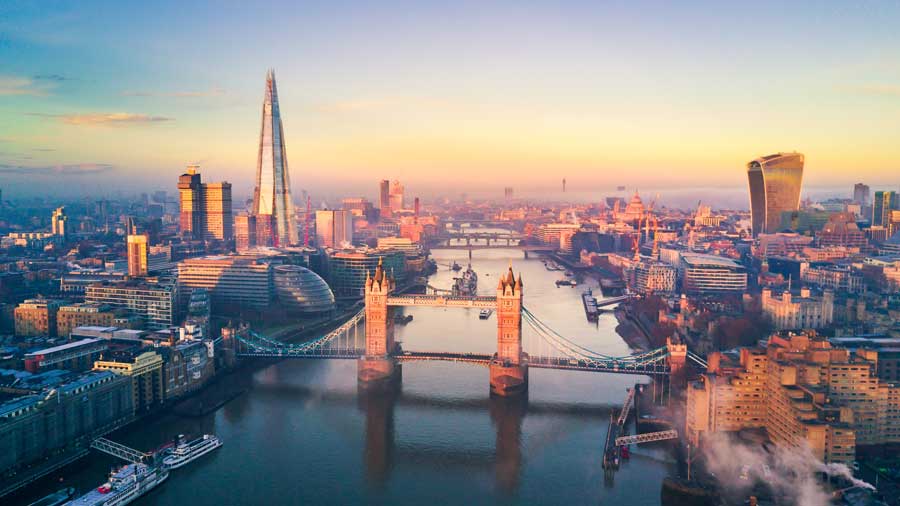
[(804, 312)]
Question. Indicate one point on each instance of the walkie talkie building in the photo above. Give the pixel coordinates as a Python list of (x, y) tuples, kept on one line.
[(774, 188)]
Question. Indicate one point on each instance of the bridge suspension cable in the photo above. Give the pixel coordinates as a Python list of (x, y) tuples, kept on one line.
[(260, 344), (578, 352)]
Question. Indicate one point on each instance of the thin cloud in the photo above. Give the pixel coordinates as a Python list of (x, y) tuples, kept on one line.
[(58, 78), (110, 119), (12, 85), (212, 92), (77, 169)]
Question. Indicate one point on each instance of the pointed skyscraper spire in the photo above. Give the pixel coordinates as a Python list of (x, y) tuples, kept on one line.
[(272, 204)]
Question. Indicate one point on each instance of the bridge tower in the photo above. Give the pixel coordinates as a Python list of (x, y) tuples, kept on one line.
[(378, 366), (677, 360), (509, 372)]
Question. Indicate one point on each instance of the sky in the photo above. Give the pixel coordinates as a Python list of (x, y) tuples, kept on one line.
[(100, 96)]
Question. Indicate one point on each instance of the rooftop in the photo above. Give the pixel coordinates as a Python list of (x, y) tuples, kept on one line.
[(62, 347), (700, 259)]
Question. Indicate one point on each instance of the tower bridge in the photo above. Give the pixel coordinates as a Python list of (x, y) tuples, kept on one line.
[(379, 355)]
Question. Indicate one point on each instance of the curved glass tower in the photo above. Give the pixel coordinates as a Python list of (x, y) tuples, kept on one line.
[(774, 188), (272, 205)]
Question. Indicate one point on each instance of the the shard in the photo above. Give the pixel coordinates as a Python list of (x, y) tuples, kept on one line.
[(272, 205)]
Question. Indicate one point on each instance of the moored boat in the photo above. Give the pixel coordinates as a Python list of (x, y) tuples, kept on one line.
[(57, 498), (124, 486), (187, 451)]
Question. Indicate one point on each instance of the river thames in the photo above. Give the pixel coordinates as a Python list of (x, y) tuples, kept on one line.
[(302, 434)]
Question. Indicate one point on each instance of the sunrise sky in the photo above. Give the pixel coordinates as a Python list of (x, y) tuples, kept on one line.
[(469, 94)]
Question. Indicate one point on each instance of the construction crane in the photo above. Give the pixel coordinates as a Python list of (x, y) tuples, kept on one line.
[(306, 232)]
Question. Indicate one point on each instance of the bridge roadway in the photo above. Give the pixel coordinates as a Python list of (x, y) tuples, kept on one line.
[(482, 359), (538, 248), (482, 302)]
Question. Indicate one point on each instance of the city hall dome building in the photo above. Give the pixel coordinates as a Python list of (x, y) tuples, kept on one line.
[(301, 290)]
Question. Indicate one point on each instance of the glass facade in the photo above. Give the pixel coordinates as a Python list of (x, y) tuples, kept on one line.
[(884, 203), (347, 270), (774, 182), (302, 290), (272, 196)]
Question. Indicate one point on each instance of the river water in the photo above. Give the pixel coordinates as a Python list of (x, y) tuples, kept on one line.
[(302, 434)]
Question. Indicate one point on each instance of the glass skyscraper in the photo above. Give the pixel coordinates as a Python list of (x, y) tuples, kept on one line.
[(885, 202), (273, 208), (774, 188)]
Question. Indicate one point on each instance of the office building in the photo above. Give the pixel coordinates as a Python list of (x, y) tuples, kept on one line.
[(334, 229), (396, 197), (384, 198), (805, 221), (841, 230), (805, 392), (36, 317), (861, 194), (59, 224), (244, 232), (232, 281), (893, 225), (205, 208), (359, 206), (145, 369), (552, 233), (774, 182), (347, 269), (138, 262), (710, 274), (781, 244), (650, 276), (70, 316), (153, 303), (190, 197), (807, 311), (74, 283), (219, 220), (273, 207), (884, 203), (75, 356), (838, 278)]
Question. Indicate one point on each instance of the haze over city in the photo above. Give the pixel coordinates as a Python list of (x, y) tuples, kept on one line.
[(500, 253), (647, 95)]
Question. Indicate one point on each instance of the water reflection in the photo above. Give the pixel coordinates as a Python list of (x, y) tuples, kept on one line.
[(507, 414), (378, 407)]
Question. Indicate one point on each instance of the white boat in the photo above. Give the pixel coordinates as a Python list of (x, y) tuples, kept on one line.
[(485, 314), (187, 451), (124, 486)]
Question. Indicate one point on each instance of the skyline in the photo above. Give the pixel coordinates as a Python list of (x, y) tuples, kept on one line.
[(436, 94)]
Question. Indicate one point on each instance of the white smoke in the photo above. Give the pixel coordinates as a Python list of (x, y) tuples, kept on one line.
[(836, 469), (790, 474)]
